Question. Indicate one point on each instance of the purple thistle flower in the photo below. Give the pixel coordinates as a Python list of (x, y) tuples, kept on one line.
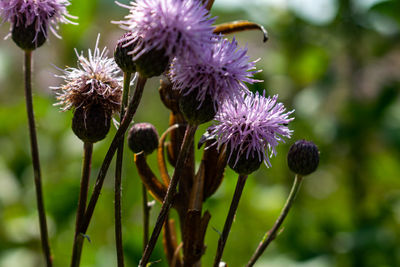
[(95, 81), (45, 14), (220, 72), (252, 126), (178, 27)]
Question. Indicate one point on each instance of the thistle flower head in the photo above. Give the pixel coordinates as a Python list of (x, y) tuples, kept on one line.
[(175, 26), (252, 127), (95, 81), (220, 72), (44, 14)]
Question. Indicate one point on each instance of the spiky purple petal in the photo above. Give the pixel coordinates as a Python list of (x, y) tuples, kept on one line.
[(252, 126), (178, 27), (46, 14), (221, 71)]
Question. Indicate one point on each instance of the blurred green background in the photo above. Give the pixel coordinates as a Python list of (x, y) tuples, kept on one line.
[(336, 62)]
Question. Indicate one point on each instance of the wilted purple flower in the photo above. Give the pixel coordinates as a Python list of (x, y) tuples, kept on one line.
[(220, 72), (252, 126), (178, 27), (95, 81), (45, 14)]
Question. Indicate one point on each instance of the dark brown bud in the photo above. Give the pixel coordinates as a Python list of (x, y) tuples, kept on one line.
[(24, 36), (143, 137), (303, 157), (196, 112), (91, 124), (152, 63), (121, 56), (244, 165)]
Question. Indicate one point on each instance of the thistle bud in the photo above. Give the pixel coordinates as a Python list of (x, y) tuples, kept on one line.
[(91, 124), (27, 37), (152, 63), (303, 157), (143, 137), (244, 164), (195, 111), (121, 56)]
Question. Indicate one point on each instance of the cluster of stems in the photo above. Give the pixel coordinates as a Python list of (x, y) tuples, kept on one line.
[(185, 191)]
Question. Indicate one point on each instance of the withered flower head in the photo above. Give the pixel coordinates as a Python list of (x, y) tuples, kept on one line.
[(94, 82)]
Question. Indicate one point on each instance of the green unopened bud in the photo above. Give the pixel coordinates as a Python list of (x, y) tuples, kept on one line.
[(152, 63), (24, 36), (196, 112), (121, 56), (303, 157), (244, 165), (91, 124), (143, 137)]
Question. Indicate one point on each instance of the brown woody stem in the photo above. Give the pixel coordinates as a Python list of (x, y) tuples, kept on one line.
[(167, 203)]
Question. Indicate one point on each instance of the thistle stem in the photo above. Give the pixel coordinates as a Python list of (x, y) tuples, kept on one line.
[(167, 203), (118, 177), (86, 168), (146, 216), (35, 159), (130, 112), (271, 234), (229, 219)]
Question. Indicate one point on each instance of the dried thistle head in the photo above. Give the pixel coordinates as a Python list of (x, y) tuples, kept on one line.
[(94, 82)]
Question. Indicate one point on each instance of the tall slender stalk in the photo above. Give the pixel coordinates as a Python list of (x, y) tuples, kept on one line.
[(118, 177), (271, 234), (167, 203), (130, 112), (146, 216), (229, 219), (35, 159), (86, 168)]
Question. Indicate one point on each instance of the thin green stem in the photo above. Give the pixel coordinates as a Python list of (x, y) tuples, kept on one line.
[(167, 203), (118, 178), (271, 234), (86, 168), (130, 112), (146, 216), (35, 159), (229, 219)]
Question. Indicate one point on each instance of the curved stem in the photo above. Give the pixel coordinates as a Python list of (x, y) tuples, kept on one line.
[(130, 112), (160, 154), (157, 189), (35, 159), (239, 26), (78, 238), (167, 203), (271, 234), (229, 219), (118, 177)]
